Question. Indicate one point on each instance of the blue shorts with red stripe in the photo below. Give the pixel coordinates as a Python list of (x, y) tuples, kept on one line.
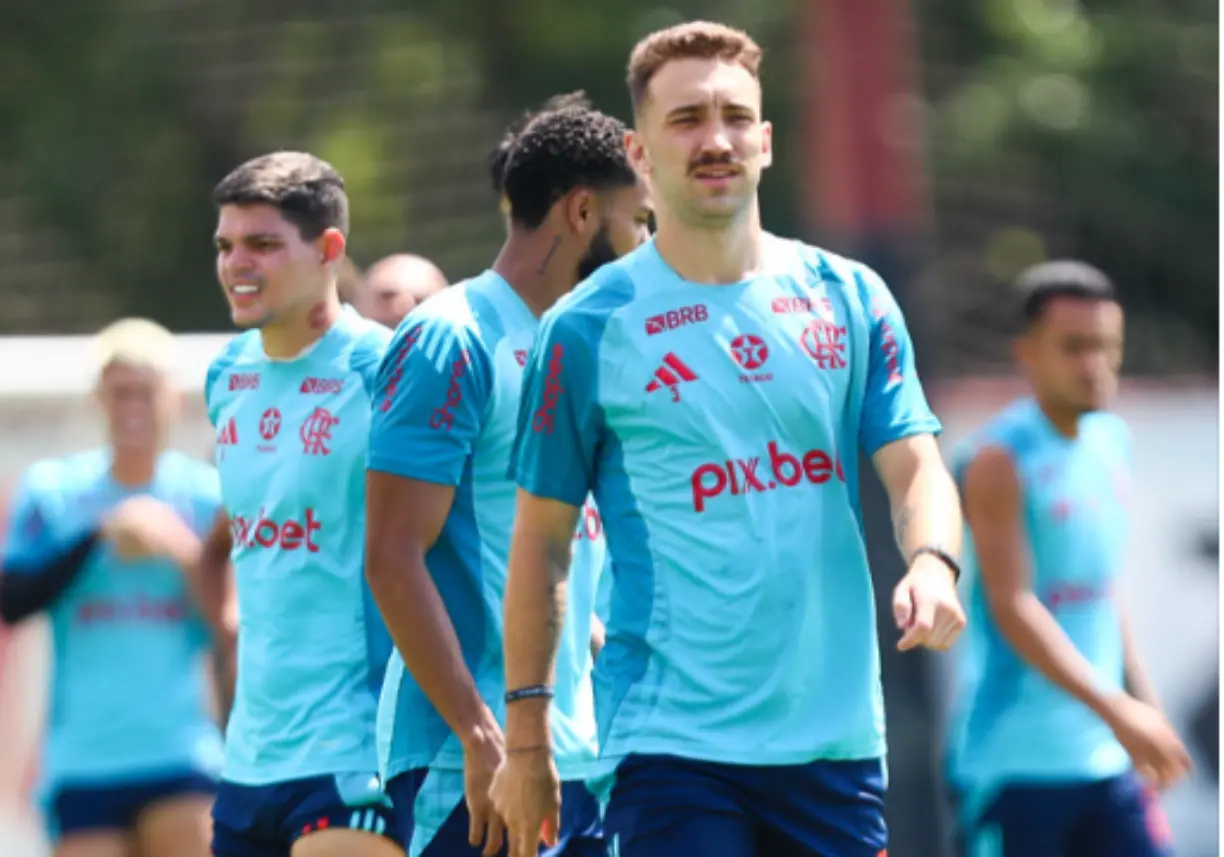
[(265, 820)]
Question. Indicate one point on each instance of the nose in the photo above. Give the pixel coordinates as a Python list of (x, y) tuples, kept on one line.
[(716, 141)]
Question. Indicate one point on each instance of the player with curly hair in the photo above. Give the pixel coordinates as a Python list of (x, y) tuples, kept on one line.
[(440, 503), (498, 158)]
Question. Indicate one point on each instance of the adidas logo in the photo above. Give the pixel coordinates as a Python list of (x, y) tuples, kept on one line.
[(670, 375), (228, 436)]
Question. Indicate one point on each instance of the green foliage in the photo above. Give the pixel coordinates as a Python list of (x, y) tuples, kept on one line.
[(1108, 110), (119, 117)]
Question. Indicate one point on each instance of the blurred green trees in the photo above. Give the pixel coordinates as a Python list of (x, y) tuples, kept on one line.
[(117, 117)]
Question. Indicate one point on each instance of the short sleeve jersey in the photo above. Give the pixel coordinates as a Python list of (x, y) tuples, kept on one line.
[(291, 446), (121, 628), (1010, 722), (719, 429), (447, 406)]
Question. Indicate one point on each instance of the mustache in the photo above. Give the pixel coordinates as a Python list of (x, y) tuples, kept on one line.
[(712, 161)]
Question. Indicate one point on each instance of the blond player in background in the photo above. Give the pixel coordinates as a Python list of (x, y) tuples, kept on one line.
[(105, 542)]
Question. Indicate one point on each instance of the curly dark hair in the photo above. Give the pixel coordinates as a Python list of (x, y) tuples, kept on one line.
[(561, 150), (501, 152), (306, 189)]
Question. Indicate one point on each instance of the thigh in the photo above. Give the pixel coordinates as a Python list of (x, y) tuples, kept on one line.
[(663, 806), (1027, 821), (175, 826), (1125, 820), (345, 842), (95, 844), (817, 809), (174, 818)]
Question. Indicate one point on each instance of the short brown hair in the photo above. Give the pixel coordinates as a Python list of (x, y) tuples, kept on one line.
[(307, 191), (700, 40)]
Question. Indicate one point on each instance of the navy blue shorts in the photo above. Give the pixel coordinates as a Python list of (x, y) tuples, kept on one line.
[(1117, 817), (443, 816), (661, 806), (265, 820), (94, 806)]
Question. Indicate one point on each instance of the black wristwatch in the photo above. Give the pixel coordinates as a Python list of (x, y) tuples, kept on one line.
[(941, 555)]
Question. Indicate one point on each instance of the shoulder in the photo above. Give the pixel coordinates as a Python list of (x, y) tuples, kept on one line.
[(63, 475), (1011, 432), (990, 479), (583, 315), (859, 281), (457, 319), (243, 353), (367, 342), (236, 352)]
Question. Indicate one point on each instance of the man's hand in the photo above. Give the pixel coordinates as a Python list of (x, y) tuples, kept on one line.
[(926, 606), (143, 527), (527, 794), (483, 752), (1157, 753)]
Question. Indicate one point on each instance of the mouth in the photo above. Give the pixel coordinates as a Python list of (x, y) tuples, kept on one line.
[(243, 295), (715, 175)]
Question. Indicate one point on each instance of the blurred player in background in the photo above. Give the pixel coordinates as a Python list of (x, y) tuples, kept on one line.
[(713, 390), (290, 399), (107, 543), (396, 285), (1056, 714), (441, 504), (501, 152)]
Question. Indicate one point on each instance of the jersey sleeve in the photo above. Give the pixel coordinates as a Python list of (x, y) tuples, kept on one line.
[(560, 421), (894, 404), (29, 538), (429, 401)]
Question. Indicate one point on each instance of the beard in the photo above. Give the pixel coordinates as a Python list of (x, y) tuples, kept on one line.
[(599, 253)]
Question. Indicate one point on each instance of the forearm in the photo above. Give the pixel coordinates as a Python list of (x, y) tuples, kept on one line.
[(1035, 635), (425, 637), (32, 588), (211, 582), (927, 512), (534, 613)]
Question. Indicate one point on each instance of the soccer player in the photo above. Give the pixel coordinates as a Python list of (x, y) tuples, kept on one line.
[(394, 286), (290, 399), (106, 543), (1057, 721), (713, 390), (440, 502)]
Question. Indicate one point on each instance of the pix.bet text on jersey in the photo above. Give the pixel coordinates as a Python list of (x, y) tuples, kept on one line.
[(291, 448), (719, 430)]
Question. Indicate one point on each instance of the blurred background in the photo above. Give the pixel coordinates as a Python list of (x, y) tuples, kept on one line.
[(949, 143)]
